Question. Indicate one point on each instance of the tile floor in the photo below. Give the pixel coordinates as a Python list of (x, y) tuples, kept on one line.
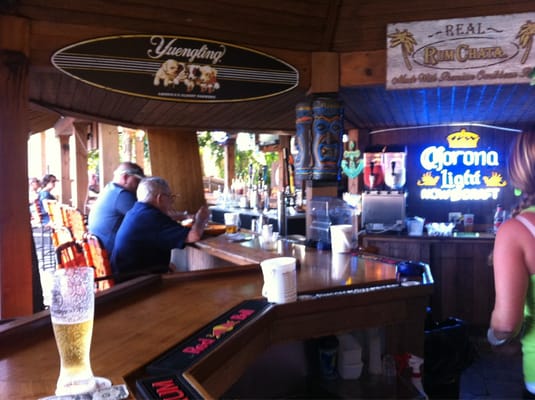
[(494, 374)]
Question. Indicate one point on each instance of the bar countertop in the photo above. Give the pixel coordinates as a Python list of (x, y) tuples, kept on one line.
[(456, 236), (136, 322), (313, 265)]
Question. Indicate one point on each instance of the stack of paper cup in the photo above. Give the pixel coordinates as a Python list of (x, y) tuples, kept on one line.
[(280, 279), (349, 362)]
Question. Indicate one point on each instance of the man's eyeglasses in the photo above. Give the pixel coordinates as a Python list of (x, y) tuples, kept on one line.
[(170, 195), (134, 174)]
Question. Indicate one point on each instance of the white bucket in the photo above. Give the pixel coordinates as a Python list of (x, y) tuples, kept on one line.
[(415, 226), (280, 279)]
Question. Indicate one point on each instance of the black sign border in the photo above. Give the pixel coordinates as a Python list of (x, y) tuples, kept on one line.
[(174, 99)]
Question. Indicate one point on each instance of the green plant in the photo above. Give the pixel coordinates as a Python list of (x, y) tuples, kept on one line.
[(212, 150), (92, 161)]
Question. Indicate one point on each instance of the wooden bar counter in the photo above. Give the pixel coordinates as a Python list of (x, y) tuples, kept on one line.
[(138, 321), (461, 267)]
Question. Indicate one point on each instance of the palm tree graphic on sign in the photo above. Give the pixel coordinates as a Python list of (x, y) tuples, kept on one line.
[(525, 38), (407, 42)]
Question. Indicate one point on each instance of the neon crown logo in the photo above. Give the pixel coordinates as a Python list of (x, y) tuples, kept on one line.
[(463, 140)]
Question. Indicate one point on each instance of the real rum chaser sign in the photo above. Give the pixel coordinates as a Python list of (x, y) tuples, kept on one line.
[(460, 52), (176, 68)]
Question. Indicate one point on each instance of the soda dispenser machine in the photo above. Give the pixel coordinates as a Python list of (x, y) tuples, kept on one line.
[(384, 196)]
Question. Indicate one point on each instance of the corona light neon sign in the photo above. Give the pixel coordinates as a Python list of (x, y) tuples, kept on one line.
[(461, 171)]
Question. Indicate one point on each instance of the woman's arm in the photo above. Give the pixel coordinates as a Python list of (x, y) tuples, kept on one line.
[(511, 278)]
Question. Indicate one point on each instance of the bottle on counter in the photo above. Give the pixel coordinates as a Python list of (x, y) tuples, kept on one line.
[(265, 198), (498, 217)]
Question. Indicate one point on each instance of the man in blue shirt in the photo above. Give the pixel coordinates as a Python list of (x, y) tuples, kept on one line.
[(147, 235), (112, 204)]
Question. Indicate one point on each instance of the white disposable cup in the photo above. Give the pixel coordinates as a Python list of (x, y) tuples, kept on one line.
[(341, 238), (280, 279)]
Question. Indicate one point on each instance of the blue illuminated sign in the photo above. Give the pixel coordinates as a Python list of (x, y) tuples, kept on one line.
[(461, 170)]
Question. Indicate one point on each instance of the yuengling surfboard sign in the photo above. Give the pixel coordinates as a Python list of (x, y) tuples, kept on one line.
[(176, 68)]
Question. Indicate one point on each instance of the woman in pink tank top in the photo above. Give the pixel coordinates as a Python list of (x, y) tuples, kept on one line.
[(514, 263)]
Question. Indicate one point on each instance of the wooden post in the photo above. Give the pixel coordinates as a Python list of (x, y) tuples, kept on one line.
[(16, 297), (230, 165), (65, 173), (353, 183), (174, 156), (42, 154), (108, 145), (140, 148), (80, 182), (325, 72)]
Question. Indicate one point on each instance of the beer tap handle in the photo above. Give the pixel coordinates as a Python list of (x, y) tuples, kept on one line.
[(372, 175), (287, 165), (250, 174), (292, 185), (264, 174)]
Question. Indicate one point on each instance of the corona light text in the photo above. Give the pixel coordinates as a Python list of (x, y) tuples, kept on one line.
[(460, 172)]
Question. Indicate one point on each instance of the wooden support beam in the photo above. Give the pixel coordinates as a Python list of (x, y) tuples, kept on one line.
[(230, 162), (363, 68), (174, 156), (80, 181), (108, 144), (15, 34), (325, 72), (140, 148), (15, 234), (353, 183), (65, 171)]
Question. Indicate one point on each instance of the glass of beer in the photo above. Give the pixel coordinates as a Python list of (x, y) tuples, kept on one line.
[(71, 311), (468, 222), (232, 222)]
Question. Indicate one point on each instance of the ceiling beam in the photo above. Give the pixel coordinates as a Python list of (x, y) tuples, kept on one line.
[(327, 43), (363, 68)]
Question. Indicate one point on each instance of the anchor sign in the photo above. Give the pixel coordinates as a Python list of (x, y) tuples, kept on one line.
[(352, 164)]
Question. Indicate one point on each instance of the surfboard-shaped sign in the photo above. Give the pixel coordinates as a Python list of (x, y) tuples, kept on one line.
[(176, 68)]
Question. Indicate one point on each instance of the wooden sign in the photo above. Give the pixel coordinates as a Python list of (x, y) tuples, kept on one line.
[(460, 52), (176, 68)]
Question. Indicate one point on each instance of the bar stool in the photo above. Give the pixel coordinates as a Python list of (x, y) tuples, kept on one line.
[(98, 258), (76, 222), (70, 255)]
